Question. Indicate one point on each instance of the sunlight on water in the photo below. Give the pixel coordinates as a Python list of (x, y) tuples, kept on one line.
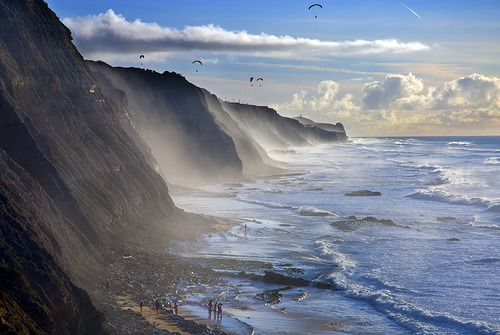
[(421, 257)]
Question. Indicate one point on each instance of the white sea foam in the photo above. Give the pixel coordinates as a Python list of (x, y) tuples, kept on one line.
[(312, 211), (327, 250), (460, 143), (491, 161), (440, 194), (413, 317)]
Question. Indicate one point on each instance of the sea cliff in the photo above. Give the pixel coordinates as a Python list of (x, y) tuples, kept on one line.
[(86, 151)]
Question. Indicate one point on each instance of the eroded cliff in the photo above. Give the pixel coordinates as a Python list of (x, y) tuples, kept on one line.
[(273, 131), (72, 181), (172, 117)]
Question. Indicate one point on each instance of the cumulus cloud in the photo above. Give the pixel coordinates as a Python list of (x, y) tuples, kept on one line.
[(325, 101), (404, 105), (407, 92), (112, 33)]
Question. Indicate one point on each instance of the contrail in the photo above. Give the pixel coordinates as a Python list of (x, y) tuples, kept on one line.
[(411, 10)]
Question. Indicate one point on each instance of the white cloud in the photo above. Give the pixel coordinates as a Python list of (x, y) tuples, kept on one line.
[(324, 102), (407, 92), (396, 89), (112, 33), (403, 105)]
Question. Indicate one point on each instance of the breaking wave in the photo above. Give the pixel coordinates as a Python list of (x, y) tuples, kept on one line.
[(491, 161), (466, 144), (383, 297), (439, 194)]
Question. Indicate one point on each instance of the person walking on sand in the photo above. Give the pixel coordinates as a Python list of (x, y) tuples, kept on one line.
[(141, 304)]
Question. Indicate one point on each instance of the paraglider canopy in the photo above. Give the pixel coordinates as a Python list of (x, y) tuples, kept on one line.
[(141, 56), (316, 4)]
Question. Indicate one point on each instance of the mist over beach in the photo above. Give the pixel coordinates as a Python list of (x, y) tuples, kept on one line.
[(249, 168)]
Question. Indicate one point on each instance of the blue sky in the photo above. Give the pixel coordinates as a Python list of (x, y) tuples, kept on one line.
[(375, 66)]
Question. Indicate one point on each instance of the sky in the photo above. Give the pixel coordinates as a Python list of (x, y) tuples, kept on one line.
[(381, 68)]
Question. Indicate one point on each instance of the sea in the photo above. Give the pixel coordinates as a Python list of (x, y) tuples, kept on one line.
[(421, 256)]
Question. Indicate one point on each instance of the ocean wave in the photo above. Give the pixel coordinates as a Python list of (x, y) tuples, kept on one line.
[(302, 210), (457, 176), (327, 250), (494, 208), (409, 141), (491, 161), (269, 204), (313, 211), (467, 144), (484, 261), (416, 165), (439, 194), (411, 316)]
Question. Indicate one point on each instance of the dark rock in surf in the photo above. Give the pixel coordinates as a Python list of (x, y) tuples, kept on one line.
[(272, 297), (446, 219), (363, 193), (276, 278)]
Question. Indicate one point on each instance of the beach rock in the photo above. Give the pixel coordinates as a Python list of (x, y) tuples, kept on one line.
[(352, 223), (446, 219), (362, 193), (313, 212), (276, 278), (383, 221), (322, 285), (272, 297)]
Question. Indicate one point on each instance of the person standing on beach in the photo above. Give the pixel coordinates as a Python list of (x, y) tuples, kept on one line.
[(141, 304), (219, 311), (157, 306), (210, 305)]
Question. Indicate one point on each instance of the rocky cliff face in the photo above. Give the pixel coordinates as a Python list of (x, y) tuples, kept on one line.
[(172, 117), (36, 295), (273, 131), (72, 180), (337, 127), (79, 145), (254, 158)]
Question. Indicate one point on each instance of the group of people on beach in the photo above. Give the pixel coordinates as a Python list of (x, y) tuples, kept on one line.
[(216, 308), (156, 305)]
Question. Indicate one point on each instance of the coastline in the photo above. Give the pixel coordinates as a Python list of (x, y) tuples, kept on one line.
[(140, 272)]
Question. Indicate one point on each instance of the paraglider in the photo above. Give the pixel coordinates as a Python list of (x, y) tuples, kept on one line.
[(197, 61), (141, 57), (260, 80), (251, 79), (316, 4)]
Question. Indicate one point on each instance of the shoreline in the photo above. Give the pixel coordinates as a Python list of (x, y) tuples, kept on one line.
[(140, 272)]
